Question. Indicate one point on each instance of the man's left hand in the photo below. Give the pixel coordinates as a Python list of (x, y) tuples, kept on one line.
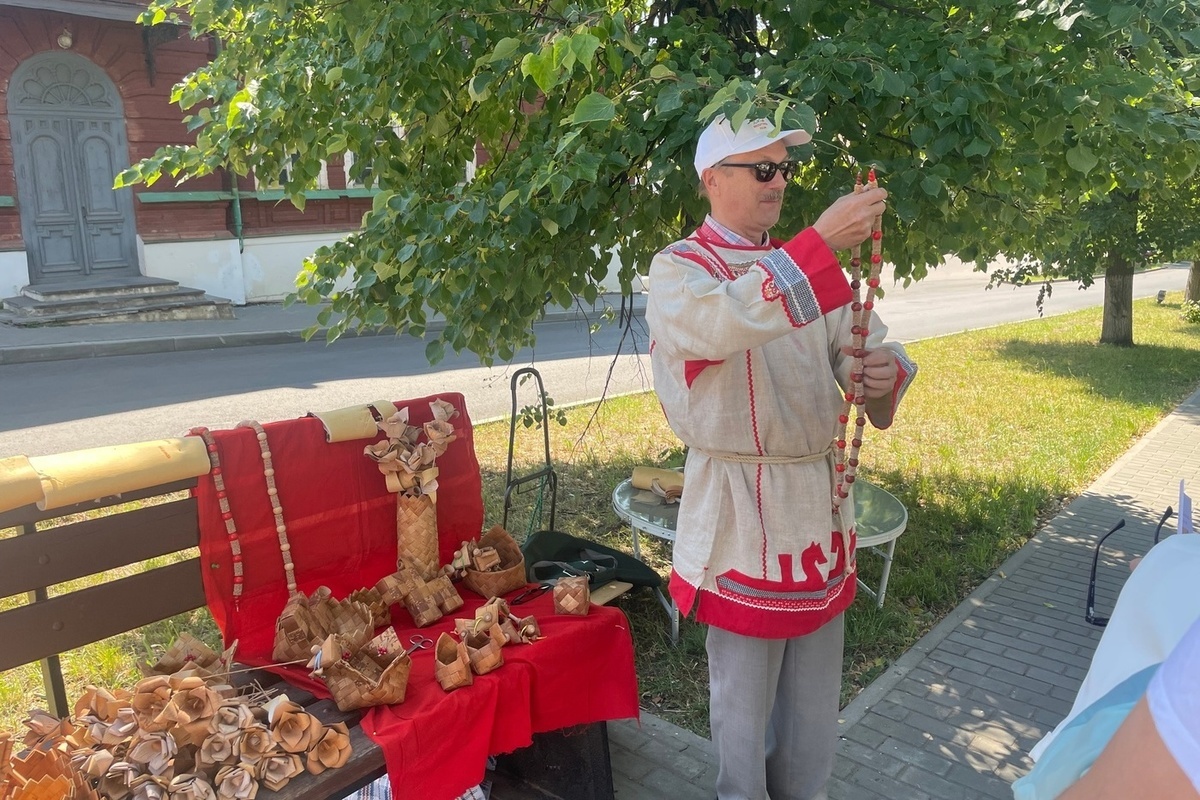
[(879, 372)]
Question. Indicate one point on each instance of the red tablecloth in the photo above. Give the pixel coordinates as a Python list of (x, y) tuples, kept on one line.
[(341, 527)]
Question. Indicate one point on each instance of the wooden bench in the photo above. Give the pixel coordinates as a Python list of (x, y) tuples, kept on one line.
[(161, 522)]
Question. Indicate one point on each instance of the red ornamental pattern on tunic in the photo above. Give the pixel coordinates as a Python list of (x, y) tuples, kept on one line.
[(730, 587), (812, 590), (769, 290)]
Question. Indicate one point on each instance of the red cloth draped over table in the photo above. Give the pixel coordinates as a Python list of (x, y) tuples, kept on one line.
[(341, 524)]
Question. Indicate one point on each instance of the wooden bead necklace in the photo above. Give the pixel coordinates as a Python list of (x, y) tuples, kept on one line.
[(235, 547), (846, 459), (285, 549)]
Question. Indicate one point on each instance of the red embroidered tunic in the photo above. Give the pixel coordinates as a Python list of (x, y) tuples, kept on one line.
[(746, 350)]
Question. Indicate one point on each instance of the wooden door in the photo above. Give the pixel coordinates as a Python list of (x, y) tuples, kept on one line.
[(68, 145)]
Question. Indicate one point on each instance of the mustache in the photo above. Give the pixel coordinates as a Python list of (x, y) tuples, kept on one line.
[(771, 197)]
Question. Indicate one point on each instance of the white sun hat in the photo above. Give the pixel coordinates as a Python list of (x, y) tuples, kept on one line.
[(719, 141)]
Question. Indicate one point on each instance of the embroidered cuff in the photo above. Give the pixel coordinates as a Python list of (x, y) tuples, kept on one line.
[(806, 276), (906, 370)]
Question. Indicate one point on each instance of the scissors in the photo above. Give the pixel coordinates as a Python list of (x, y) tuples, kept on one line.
[(535, 591), (418, 642)]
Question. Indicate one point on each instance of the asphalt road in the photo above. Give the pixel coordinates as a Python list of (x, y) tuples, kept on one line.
[(67, 405)]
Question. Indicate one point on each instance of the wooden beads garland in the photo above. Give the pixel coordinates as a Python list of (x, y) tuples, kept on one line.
[(846, 459), (235, 547), (273, 493)]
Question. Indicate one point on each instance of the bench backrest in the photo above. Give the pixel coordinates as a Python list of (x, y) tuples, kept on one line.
[(40, 557)]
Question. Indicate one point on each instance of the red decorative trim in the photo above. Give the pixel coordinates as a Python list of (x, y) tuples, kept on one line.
[(758, 472), (728, 613), (682, 592), (726, 271), (821, 267), (762, 525), (753, 409), (706, 234), (693, 367), (692, 255)]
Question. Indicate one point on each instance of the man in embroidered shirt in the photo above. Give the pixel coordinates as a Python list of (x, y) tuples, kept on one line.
[(750, 346)]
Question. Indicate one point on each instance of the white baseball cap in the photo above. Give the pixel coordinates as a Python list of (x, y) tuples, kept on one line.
[(719, 142)]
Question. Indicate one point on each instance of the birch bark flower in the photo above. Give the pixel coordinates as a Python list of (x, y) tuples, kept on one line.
[(150, 697), (332, 751), (191, 786), (148, 787), (275, 771), (231, 717), (153, 750), (218, 749), (236, 782), (100, 703), (116, 782), (255, 744), (294, 729)]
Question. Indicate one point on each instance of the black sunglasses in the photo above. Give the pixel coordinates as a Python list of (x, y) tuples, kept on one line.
[(1090, 613), (764, 171)]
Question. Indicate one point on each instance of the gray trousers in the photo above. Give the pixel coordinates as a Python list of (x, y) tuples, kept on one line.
[(773, 709)]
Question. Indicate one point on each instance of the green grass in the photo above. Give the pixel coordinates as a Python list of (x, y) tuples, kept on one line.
[(1001, 428)]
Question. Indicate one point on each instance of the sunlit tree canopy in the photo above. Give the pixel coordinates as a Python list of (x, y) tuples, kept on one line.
[(991, 123)]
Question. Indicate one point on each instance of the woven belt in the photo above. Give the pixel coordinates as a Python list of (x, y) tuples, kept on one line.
[(750, 458)]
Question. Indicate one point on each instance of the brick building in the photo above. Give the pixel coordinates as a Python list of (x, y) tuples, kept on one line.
[(85, 93)]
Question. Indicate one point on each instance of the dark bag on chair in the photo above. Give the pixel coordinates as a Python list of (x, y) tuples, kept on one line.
[(554, 546)]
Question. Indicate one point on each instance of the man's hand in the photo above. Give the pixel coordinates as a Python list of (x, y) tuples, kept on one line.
[(848, 221), (879, 372)]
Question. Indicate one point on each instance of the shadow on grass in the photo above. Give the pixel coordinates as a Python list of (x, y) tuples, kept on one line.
[(1139, 375)]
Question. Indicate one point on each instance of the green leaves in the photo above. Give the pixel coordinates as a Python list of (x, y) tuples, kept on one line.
[(594, 108), (541, 67), (993, 131), (556, 62), (1082, 159)]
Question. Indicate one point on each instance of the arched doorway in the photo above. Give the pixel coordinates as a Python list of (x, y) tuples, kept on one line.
[(68, 135)]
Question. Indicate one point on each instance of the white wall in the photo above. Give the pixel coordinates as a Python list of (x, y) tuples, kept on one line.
[(14, 272), (270, 264), (212, 265), (264, 272)]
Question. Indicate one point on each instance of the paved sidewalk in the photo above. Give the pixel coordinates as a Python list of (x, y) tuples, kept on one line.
[(953, 718)]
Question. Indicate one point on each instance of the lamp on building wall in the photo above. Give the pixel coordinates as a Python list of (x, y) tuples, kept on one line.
[(65, 40)]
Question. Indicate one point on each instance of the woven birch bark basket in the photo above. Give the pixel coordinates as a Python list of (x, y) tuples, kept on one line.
[(572, 596), (511, 573), (366, 680)]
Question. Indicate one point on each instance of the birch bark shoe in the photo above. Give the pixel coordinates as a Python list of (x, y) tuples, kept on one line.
[(452, 666), (484, 649)]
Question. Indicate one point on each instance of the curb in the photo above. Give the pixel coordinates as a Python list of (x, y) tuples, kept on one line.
[(69, 351)]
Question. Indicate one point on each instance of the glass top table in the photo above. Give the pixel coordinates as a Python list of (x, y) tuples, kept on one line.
[(879, 517)]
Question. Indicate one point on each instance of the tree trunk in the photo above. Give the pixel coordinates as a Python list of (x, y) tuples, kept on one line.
[(1118, 302), (1192, 290)]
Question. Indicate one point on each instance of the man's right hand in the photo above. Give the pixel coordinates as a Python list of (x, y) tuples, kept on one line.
[(848, 221)]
